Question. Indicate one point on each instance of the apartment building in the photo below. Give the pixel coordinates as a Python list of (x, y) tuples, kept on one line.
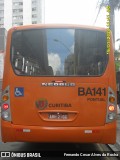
[(21, 12), (3, 35)]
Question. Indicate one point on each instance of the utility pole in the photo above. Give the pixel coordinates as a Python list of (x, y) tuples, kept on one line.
[(112, 19)]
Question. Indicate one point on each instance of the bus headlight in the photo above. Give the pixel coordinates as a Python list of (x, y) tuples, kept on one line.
[(5, 115), (111, 116)]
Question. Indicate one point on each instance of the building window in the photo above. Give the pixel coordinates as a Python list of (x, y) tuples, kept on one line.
[(14, 10), (1, 25), (34, 16), (17, 10), (15, 24), (18, 3), (20, 10), (34, 2), (1, 11), (1, 4), (17, 17), (14, 17), (15, 3), (21, 23), (34, 9), (34, 22), (18, 24), (1, 18)]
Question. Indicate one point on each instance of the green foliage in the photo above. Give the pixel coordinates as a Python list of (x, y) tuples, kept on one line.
[(117, 65), (116, 53), (117, 62)]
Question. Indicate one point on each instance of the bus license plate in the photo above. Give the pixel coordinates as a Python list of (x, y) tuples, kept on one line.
[(58, 116)]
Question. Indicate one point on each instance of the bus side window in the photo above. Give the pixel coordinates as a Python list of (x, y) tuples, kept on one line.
[(18, 62)]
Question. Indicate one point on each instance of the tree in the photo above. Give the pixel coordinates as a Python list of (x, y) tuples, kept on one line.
[(117, 60), (114, 4)]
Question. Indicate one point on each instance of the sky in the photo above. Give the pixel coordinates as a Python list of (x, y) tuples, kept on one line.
[(78, 12), (69, 11)]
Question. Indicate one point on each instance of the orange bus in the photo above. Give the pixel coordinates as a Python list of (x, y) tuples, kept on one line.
[(59, 85)]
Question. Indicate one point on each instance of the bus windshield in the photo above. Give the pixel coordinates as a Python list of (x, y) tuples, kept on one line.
[(59, 52)]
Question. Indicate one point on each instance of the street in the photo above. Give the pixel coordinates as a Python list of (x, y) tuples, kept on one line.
[(39, 147)]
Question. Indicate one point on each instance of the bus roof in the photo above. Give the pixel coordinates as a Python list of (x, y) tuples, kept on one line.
[(35, 26)]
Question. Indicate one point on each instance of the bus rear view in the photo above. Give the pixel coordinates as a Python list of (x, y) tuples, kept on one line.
[(59, 85)]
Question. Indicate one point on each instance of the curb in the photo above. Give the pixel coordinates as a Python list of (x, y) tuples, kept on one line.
[(115, 148)]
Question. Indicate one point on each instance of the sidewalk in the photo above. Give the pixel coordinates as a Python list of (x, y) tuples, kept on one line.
[(116, 147), (118, 130)]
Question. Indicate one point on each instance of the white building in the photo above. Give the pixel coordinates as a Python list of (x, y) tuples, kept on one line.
[(21, 12), (3, 34)]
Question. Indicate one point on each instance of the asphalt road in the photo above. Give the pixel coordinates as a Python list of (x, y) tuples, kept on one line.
[(56, 147)]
